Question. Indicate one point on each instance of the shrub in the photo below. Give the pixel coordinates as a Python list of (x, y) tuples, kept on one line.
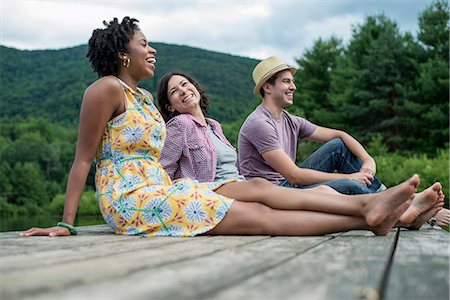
[(395, 168), (88, 204)]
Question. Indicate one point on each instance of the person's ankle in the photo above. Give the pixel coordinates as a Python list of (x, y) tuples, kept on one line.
[(381, 188)]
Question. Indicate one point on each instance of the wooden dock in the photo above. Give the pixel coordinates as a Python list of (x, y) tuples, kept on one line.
[(96, 264)]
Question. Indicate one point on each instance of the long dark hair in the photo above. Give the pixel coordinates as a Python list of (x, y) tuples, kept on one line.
[(105, 45), (163, 97)]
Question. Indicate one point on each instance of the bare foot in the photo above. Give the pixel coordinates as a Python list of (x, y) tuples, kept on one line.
[(425, 216), (384, 227), (422, 202), (443, 217), (376, 210)]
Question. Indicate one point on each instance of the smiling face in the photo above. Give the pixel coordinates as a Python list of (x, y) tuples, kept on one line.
[(142, 56), (282, 92), (183, 95)]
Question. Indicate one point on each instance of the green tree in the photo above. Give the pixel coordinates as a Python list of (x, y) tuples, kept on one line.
[(313, 81), (433, 29), (29, 185), (374, 81), (57, 95), (430, 106), (6, 187)]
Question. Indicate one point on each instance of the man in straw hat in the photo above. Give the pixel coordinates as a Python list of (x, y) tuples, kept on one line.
[(268, 141)]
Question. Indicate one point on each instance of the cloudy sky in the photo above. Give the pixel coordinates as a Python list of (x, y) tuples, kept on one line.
[(255, 29)]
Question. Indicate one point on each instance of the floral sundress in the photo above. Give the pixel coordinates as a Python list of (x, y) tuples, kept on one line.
[(135, 194)]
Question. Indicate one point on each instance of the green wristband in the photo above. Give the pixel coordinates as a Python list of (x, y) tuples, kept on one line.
[(73, 230)]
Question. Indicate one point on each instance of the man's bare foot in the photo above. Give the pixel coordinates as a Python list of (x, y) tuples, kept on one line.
[(386, 225), (381, 205), (425, 216), (422, 202), (443, 217)]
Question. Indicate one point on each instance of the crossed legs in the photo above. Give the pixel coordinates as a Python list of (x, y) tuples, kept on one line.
[(269, 209), (252, 218)]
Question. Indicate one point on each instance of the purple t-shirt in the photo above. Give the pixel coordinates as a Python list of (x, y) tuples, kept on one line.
[(262, 132)]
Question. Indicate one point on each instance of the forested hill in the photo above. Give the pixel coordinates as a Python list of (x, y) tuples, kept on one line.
[(50, 83)]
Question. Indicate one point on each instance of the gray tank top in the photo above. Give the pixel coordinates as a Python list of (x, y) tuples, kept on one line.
[(226, 159)]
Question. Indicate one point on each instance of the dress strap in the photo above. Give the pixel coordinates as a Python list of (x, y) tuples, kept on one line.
[(124, 85), (138, 94)]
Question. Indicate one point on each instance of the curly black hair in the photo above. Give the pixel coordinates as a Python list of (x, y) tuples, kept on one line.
[(105, 45), (163, 98)]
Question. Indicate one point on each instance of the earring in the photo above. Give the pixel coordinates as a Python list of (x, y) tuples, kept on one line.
[(126, 62)]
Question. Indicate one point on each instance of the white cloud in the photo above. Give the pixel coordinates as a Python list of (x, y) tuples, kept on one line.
[(50, 24), (249, 28), (215, 27), (335, 26)]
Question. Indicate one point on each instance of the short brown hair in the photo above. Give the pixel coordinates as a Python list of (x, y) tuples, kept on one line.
[(271, 81)]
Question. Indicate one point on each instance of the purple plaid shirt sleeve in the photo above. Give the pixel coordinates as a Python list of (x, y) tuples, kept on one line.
[(173, 147), (188, 151)]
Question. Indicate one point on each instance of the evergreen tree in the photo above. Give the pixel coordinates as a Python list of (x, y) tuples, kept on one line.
[(430, 106), (433, 29), (313, 81), (374, 80)]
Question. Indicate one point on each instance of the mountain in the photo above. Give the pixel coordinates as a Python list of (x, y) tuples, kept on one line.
[(50, 83)]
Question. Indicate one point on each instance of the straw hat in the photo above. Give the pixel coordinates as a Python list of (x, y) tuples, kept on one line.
[(266, 69)]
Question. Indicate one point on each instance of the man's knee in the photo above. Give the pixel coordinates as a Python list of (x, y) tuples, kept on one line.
[(336, 143)]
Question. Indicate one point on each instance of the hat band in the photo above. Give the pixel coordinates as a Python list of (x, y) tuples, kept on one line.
[(275, 70)]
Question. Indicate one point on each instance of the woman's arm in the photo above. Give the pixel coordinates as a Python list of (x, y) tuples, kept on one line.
[(173, 147), (148, 94), (101, 102)]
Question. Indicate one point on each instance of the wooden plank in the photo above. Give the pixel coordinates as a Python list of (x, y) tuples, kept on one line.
[(193, 276), (13, 243), (421, 266), (99, 264), (58, 253), (82, 230), (338, 269), (56, 275)]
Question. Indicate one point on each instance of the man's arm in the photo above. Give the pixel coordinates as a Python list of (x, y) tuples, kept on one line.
[(282, 163), (323, 135)]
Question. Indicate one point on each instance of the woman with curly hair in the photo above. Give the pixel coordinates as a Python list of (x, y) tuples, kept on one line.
[(124, 132)]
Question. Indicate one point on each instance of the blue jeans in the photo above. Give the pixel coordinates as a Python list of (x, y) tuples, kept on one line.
[(335, 156)]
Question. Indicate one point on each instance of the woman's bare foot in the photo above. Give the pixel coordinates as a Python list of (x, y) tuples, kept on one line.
[(443, 217), (386, 225), (377, 210), (422, 202), (425, 216)]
